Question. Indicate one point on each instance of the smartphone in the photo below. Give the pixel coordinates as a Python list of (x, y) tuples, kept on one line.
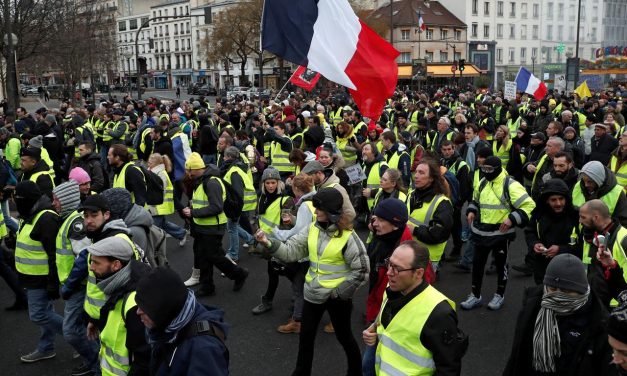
[(600, 240)]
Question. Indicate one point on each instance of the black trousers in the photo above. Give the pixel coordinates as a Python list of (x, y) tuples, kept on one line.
[(456, 231), (499, 251), (340, 313), (208, 253)]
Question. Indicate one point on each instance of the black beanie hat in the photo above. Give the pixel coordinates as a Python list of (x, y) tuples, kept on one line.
[(493, 161), (162, 295), (392, 210), (566, 272), (330, 201), (28, 190), (484, 152), (617, 324)]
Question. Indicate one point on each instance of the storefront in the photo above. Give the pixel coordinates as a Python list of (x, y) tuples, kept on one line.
[(181, 77), (160, 80)]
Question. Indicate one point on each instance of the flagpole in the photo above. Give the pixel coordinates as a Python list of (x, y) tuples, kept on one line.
[(286, 82)]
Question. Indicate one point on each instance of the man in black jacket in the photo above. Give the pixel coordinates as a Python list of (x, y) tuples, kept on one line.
[(603, 144), (564, 313), (36, 170), (161, 143), (127, 174), (90, 162)]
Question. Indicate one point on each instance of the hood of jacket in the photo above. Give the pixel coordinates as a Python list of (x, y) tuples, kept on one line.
[(116, 225), (42, 203), (137, 216), (554, 187)]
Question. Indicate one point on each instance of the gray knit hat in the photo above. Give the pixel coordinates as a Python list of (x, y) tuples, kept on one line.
[(566, 272), (112, 246), (51, 119), (119, 200), (270, 173), (595, 171), (36, 142), (69, 196)]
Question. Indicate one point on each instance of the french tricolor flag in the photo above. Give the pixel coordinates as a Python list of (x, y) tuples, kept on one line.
[(326, 36), (530, 84)]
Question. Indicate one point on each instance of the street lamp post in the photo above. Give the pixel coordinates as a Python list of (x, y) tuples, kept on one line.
[(127, 55), (533, 65)]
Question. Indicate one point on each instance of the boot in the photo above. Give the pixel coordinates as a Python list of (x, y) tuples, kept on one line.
[(291, 327), (194, 279)]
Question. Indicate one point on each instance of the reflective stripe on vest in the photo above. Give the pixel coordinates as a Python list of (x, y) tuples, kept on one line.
[(200, 200), (400, 351), (65, 255), (327, 266), (422, 217), (395, 158), (167, 207), (502, 152), (272, 217), (30, 255), (280, 158), (250, 195), (115, 359), (119, 180)]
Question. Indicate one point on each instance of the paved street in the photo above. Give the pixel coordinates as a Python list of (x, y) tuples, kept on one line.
[(255, 346)]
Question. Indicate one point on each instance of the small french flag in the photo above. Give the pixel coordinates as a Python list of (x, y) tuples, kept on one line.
[(421, 23), (530, 84), (326, 36)]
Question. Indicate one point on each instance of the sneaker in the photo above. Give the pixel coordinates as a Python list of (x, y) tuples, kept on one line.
[(264, 307), (329, 328), (291, 327), (36, 356), (183, 241), (471, 302), (239, 283), (81, 370), (496, 303), (523, 268)]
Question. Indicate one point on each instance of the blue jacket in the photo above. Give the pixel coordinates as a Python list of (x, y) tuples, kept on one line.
[(194, 355)]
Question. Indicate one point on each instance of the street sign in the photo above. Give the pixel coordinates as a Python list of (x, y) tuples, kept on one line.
[(453, 68)]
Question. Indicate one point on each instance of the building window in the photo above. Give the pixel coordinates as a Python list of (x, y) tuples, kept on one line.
[(593, 35), (534, 52), (457, 56), (560, 32), (458, 35), (132, 24), (549, 11), (499, 54), (429, 34), (475, 30), (536, 11), (405, 57), (176, 29), (583, 12), (560, 11), (523, 10), (523, 54), (549, 32), (512, 31), (499, 31), (486, 30), (174, 12), (475, 6), (443, 34), (405, 34), (534, 32), (512, 52), (512, 10), (595, 13), (429, 57), (443, 57), (571, 33), (122, 26), (486, 8), (499, 8), (523, 32)]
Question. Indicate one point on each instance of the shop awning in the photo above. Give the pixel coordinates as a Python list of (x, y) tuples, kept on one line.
[(445, 71), (404, 71), (604, 71)]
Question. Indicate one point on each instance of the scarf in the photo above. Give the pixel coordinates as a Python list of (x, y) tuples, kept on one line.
[(546, 336), (170, 333), (470, 155), (117, 281)]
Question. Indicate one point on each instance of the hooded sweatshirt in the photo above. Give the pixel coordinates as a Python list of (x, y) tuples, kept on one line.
[(139, 222)]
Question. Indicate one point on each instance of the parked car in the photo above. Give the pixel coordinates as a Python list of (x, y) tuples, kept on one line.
[(207, 90), (193, 88), (237, 90)]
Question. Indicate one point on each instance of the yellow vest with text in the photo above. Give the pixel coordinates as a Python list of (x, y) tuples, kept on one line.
[(30, 256), (115, 359), (422, 216), (65, 254), (399, 349), (200, 200), (327, 266)]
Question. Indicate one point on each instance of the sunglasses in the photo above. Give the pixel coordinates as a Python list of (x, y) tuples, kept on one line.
[(487, 169)]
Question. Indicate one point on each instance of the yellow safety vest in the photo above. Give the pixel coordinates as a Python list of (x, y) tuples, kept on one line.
[(36, 176), (200, 200), (350, 156), (620, 172), (272, 217), (3, 226), (115, 359), (395, 158), (374, 179), (142, 142), (65, 254), (302, 140), (399, 350), (513, 127), (502, 152), (337, 117), (327, 266), (401, 196), (610, 199), (482, 124), (280, 159), (538, 167), (119, 180), (421, 217), (30, 256), (167, 207), (250, 195)]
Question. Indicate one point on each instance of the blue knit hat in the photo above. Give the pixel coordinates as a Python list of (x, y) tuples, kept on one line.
[(392, 210)]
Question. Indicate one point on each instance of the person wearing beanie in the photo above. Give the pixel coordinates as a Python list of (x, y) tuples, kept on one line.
[(127, 175), (374, 167), (562, 326), (35, 262), (535, 171), (35, 169), (602, 144), (136, 218), (273, 202), (186, 337), (208, 223), (473, 144), (83, 180), (598, 182), (89, 161), (499, 204), (332, 279), (71, 239), (117, 274), (617, 334)]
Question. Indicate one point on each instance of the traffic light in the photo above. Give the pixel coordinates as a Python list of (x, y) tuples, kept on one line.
[(142, 65), (462, 65)]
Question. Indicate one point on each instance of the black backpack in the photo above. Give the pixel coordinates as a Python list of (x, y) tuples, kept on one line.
[(234, 203), (154, 186)]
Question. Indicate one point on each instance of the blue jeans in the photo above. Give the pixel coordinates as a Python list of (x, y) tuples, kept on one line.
[(176, 231), (469, 254), (75, 330), (368, 360), (235, 231), (6, 213), (41, 312)]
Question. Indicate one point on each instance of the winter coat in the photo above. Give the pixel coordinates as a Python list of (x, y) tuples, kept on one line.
[(213, 190), (355, 256), (602, 149), (91, 164), (582, 333), (138, 220), (620, 210)]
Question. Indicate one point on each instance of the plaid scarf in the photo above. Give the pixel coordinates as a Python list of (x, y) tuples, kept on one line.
[(546, 336)]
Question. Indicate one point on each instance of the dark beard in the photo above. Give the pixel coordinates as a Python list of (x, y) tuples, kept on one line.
[(559, 175)]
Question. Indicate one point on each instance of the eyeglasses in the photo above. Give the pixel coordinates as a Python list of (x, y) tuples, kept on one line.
[(395, 268), (487, 169)]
